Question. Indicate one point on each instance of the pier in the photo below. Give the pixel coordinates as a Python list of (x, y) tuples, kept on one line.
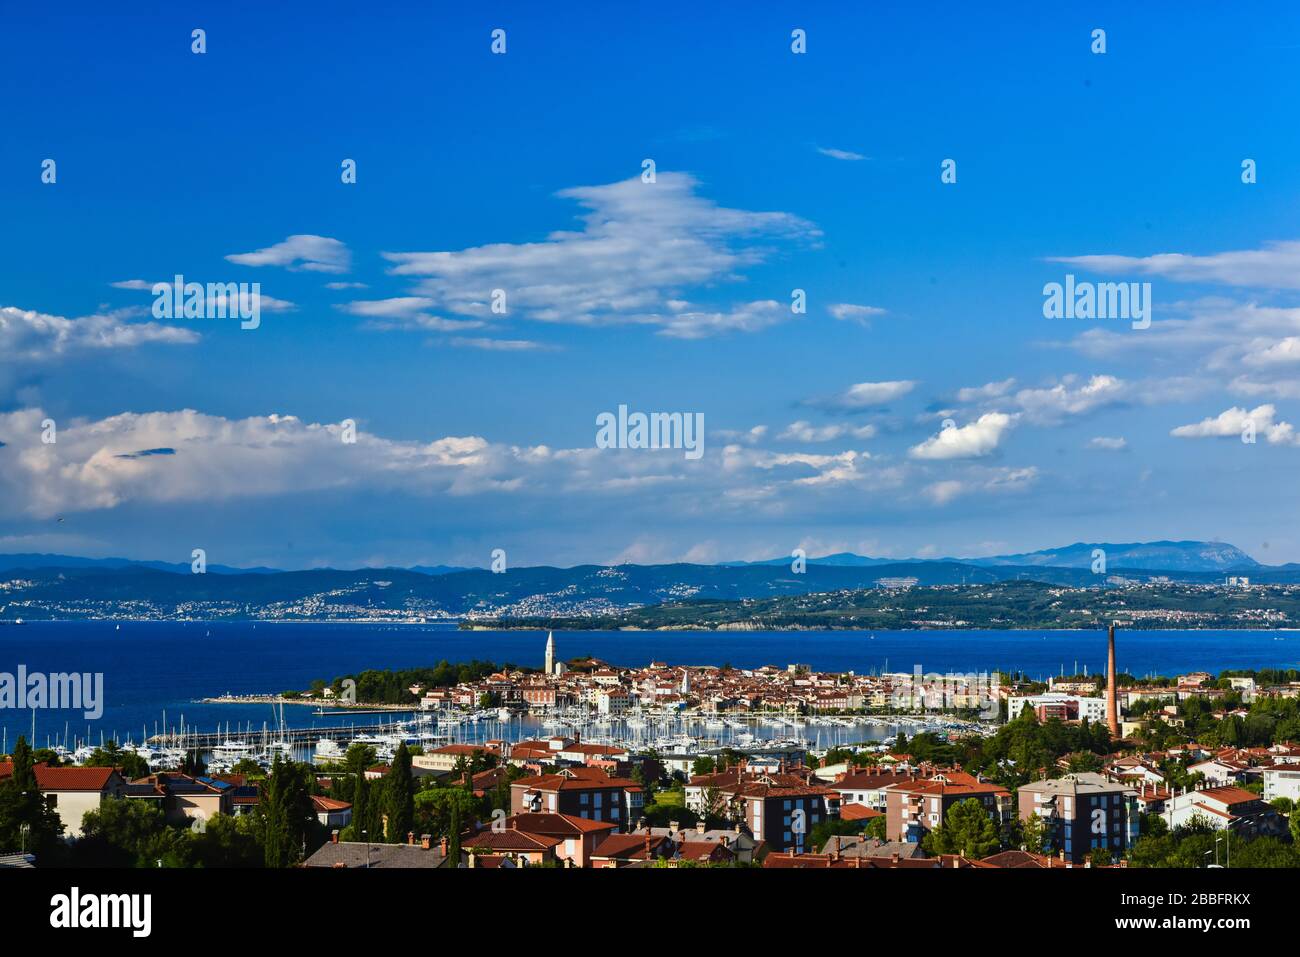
[(206, 740)]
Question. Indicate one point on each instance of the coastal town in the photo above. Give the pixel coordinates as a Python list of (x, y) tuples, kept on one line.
[(581, 764)]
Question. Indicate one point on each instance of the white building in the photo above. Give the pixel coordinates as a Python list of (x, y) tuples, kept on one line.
[(1282, 781), (1224, 808), (1092, 709)]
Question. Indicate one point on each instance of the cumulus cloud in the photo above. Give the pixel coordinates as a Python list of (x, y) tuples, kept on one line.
[(640, 246), (1234, 422), (187, 456), (1282, 352), (972, 440), (1064, 399), (301, 252), (1275, 265), (29, 336)]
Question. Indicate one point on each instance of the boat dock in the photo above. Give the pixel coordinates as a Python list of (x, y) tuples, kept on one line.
[(205, 740)]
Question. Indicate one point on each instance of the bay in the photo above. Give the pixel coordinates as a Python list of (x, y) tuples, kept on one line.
[(150, 667)]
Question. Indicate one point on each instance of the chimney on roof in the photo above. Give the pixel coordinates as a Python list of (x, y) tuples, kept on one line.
[(700, 826), (893, 857), (426, 841), (442, 846), (672, 827), (410, 837), (334, 836)]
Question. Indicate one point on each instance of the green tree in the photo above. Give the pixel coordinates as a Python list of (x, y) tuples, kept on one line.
[(703, 765), (128, 833), (26, 821), (968, 830), (399, 795), (130, 764), (1033, 834), (287, 814)]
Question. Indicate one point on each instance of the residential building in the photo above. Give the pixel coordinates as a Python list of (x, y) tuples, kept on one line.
[(1082, 813), (584, 792), (1282, 781), (1225, 808), (915, 808)]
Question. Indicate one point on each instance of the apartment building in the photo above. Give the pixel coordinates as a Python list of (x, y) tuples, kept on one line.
[(1082, 813), (915, 808)]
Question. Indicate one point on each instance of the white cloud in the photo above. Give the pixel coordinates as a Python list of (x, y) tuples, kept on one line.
[(499, 345), (30, 336), (972, 440), (802, 431), (1281, 352), (405, 313), (641, 244), (135, 284), (301, 252), (839, 154), (346, 285), (1274, 266), (1233, 422), (1053, 404), (983, 393), (1108, 443), (387, 308), (987, 481), (851, 312), (747, 317), (865, 395)]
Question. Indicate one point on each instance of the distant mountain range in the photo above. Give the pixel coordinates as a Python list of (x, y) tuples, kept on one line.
[(1150, 556), (33, 560), (46, 586)]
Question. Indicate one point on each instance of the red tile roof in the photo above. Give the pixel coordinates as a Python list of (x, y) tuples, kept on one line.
[(72, 779), (859, 812)]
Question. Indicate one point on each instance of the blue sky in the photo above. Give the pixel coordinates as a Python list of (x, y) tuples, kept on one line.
[(775, 171)]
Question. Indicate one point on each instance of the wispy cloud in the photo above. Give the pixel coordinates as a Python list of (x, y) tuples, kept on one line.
[(1275, 265), (865, 395), (640, 246), (840, 154), (301, 252), (852, 312)]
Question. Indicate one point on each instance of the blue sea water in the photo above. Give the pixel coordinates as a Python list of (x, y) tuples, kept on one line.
[(150, 667)]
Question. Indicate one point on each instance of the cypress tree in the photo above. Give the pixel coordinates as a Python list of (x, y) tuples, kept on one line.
[(400, 794)]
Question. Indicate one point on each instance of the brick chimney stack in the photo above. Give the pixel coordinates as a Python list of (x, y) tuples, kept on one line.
[(1112, 694)]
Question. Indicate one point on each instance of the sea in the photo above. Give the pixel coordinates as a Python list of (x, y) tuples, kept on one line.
[(156, 673)]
